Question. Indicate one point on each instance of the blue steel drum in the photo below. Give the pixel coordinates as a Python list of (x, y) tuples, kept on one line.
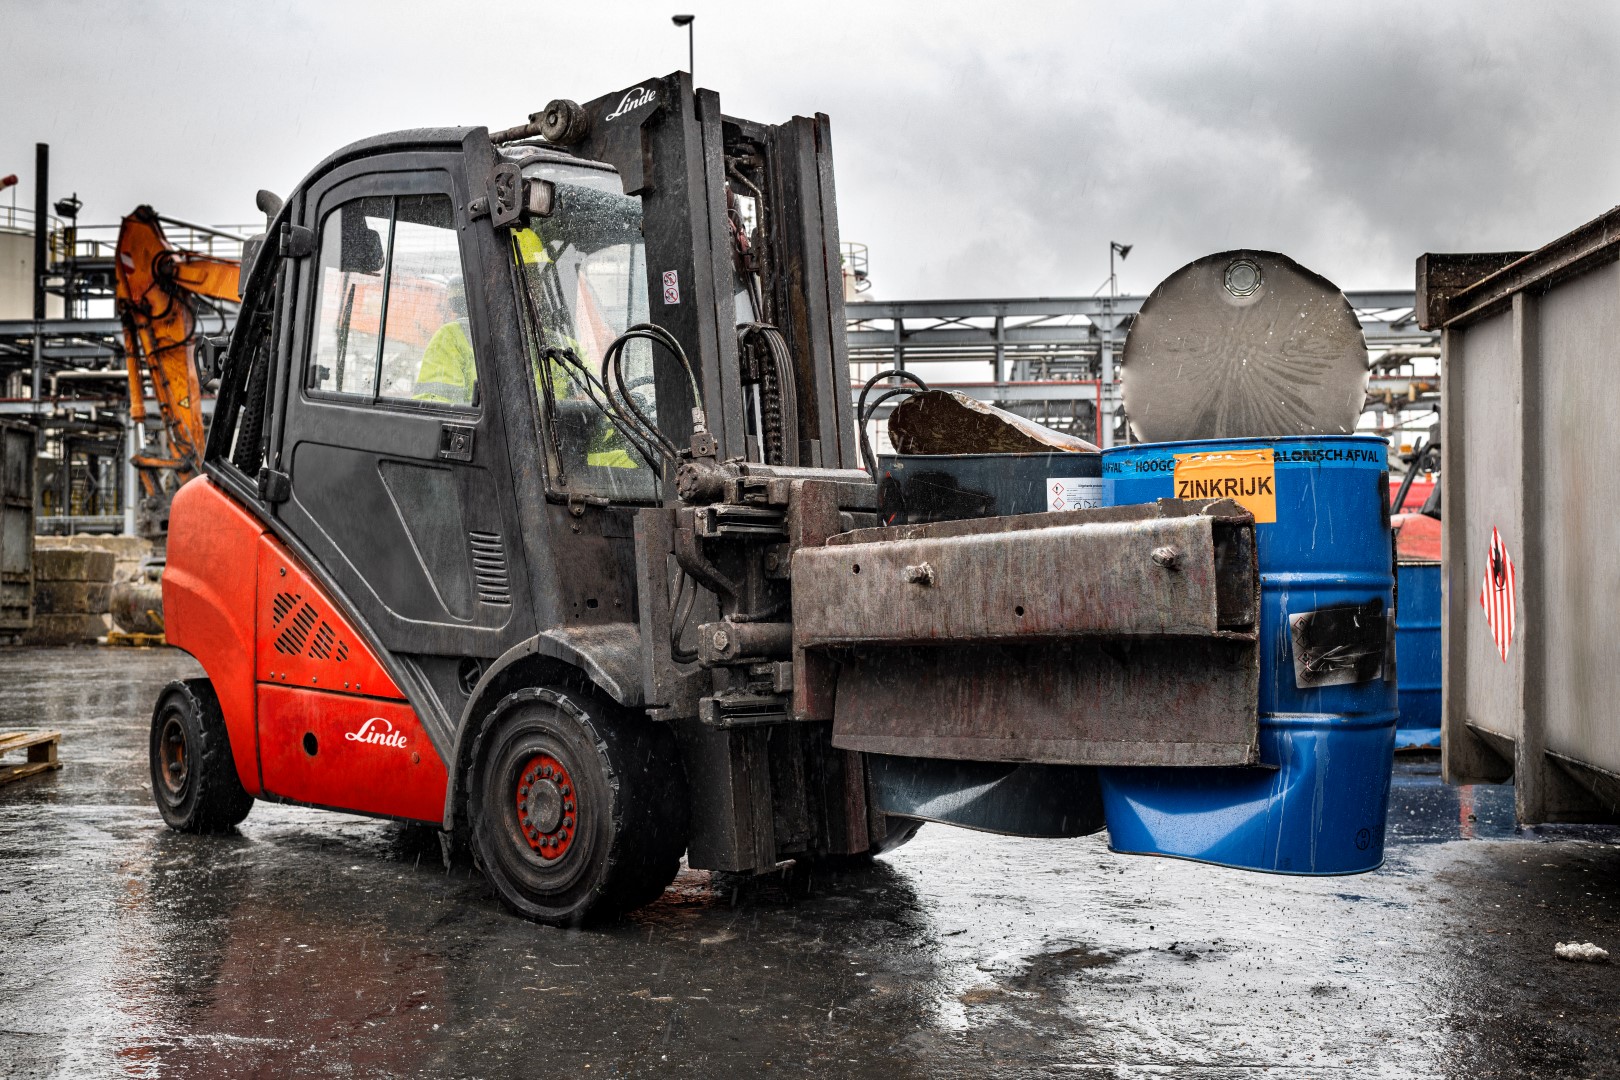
[(1417, 655), (1318, 802)]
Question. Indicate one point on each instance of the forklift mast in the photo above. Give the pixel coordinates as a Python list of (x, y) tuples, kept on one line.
[(741, 229)]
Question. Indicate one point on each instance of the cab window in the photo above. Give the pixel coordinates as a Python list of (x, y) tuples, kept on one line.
[(391, 309), (583, 271)]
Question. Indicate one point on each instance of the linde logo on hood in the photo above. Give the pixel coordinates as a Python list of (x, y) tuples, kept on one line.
[(378, 732), (632, 101)]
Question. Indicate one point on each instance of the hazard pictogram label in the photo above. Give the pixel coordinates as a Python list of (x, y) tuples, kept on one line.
[(1075, 492), (1496, 594)]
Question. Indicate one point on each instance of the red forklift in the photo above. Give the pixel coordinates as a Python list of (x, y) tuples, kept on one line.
[(531, 511)]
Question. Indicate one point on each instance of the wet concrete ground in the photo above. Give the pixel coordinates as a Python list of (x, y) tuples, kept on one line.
[(315, 944)]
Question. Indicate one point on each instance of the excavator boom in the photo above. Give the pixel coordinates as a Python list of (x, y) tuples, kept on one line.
[(158, 286)]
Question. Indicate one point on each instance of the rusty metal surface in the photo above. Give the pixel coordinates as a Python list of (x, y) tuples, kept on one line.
[(1090, 637), (1149, 577), (948, 422), (1158, 701), (1240, 344), (1442, 276), (1444, 297)]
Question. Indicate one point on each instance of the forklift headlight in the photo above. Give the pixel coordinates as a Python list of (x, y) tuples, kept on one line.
[(540, 198)]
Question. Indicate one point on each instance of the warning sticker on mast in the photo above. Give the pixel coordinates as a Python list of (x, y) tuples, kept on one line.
[(1496, 594)]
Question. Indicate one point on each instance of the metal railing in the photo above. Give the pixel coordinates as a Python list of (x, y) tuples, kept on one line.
[(68, 240)]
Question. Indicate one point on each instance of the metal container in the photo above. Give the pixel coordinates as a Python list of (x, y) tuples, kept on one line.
[(1417, 654), (17, 443), (1529, 443), (1317, 804), (915, 489)]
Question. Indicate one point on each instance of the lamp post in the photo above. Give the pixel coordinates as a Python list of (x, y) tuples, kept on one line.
[(687, 21), (1105, 395)]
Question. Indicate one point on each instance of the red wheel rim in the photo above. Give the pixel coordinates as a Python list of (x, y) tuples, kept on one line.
[(172, 756), (546, 796)]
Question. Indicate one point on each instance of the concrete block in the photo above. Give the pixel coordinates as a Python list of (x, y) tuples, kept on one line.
[(71, 597), (64, 630), (73, 564)]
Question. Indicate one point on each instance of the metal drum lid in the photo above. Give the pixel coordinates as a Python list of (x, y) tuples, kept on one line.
[(1244, 344)]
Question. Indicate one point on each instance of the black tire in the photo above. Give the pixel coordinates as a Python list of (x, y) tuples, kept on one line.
[(194, 781), (578, 807)]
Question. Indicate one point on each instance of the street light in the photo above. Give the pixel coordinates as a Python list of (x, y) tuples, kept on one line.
[(687, 21), (1105, 435), (1123, 251)]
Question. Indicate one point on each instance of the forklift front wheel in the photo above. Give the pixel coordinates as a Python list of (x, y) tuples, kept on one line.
[(579, 808), (194, 781)]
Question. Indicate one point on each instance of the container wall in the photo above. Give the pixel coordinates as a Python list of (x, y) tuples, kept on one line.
[(17, 448), (1492, 451), (1531, 441), (1578, 332)]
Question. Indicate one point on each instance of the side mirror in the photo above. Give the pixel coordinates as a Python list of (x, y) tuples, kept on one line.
[(211, 364), (362, 249), (250, 254)]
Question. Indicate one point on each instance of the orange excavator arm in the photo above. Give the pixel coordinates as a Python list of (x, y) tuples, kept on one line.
[(157, 287)]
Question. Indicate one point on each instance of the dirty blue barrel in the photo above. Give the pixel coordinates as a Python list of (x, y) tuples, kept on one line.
[(1417, 654), (1318, 801), (915, 489)]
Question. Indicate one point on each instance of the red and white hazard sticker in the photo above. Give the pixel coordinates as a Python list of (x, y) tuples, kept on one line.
[(1496, 594)]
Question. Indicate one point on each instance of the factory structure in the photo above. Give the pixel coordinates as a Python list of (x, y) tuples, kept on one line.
[(1054, 360)]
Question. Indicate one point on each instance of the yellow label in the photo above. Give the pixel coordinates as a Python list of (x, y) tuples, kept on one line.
[(1247, 477)]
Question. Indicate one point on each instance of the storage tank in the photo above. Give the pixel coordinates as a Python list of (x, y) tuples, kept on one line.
[(1530, 350), (16, 270)]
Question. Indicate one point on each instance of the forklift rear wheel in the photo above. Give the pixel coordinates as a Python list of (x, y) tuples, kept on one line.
[(194, 779), (579, 808)]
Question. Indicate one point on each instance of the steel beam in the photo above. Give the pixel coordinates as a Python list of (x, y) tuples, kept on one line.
[(58, 328)]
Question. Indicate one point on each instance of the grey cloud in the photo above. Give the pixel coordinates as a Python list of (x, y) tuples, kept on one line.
[(981, 149)]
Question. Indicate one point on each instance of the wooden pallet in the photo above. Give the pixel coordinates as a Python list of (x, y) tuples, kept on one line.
[(41, 747), (138, 641)]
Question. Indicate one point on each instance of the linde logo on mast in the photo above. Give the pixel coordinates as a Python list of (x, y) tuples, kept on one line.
[(379, 736), (632, 101)]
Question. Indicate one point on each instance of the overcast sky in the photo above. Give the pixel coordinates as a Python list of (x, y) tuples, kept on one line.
[(988, 149)]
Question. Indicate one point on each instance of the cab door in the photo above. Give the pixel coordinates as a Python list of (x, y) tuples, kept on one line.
[(393, 451), (397, 484)]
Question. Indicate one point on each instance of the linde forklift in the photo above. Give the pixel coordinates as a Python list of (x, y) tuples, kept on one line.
[(532, 511)]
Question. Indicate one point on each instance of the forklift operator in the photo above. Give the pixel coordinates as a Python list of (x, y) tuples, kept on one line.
[(449, 374)]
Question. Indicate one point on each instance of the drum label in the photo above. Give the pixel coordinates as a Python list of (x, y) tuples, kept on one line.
[(1076, 492), (1248, 477), (1341, 645)]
